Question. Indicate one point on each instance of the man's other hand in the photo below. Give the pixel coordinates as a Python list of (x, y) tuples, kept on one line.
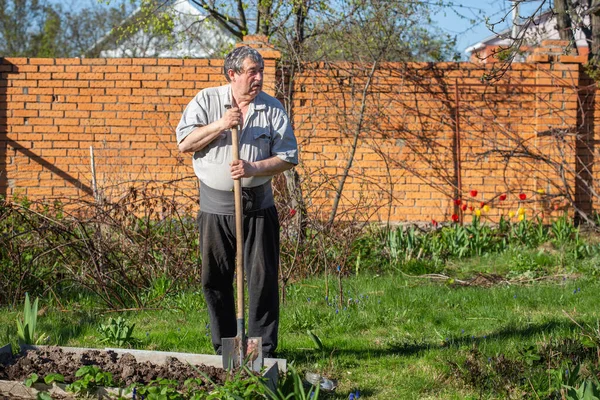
[(242, 169)]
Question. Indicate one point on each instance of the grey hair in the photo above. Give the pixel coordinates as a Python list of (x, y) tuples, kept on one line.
[(235, 59)]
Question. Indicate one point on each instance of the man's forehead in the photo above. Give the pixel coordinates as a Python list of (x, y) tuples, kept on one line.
[(249, 63)]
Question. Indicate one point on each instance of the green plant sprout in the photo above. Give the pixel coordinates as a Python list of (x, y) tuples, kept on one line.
[(26, 329), (90, 377), (117, 332)]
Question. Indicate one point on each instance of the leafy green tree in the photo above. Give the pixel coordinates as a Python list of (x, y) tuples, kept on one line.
[(20, 20), (50, 41), (32, 28), (360, 30), (309, 29), (84, 29)]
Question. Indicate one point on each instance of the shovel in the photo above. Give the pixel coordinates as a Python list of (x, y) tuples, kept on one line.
[(240, 349)]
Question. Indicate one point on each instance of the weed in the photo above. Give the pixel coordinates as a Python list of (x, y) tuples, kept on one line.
[(563, 231), (291, 387), (587, 390), (117, 332), (49, 379), (164, 389), (90, 377), (33, 378)]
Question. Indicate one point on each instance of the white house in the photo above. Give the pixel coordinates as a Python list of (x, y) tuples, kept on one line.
[(193, 35), (543, 27)]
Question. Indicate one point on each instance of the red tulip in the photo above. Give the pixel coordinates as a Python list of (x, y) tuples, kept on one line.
[(454, 217), (457, 202), (434, 223), (481, 204), (473, 193), (470, 208), (522, 196), (292, 212), (464, 207), (502, 197)]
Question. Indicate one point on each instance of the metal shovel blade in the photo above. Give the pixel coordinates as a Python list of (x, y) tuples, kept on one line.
[(236, 353)]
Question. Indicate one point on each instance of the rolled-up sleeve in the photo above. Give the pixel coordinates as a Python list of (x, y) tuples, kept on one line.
[(194, 115), (284, 141)]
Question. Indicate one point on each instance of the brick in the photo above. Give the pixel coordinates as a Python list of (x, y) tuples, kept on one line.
[(40, 61), (38, 76), (24, 113), (105, 99), (91, 76), (170, 61), (106, 69), (130, 68), (128, 84), (143, 77), (119, 61), (67, 61), (78, 68), (129, 99), (116, 107), (144, 92), (90, 106), (145, 61), (196, 62), (102, 84), (77, 114), (572, 59), (66, 121), (51, 113), (117, 76), (64, 75), (50, 83), (154, 84), (77, 83), (93, 61)]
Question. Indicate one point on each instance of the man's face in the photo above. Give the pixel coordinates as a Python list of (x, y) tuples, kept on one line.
[(249, 81)]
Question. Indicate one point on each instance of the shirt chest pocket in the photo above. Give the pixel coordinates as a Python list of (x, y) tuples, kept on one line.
[(262, 141)]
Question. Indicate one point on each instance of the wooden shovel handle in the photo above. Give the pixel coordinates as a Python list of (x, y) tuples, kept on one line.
[(239, 227)]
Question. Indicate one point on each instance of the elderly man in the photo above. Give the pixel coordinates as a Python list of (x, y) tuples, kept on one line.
[(267, 147)]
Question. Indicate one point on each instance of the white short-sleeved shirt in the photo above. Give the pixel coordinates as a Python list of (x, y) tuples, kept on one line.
[(267, 132)]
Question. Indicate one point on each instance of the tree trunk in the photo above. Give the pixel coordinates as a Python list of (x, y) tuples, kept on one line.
[(563, 20), (595, 24), (263, 18)]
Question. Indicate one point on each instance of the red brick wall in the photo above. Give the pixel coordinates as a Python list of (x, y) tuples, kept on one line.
[(515, 136), (407, 166)]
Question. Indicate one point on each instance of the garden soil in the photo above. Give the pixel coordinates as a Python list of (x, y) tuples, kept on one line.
[(124, 368)]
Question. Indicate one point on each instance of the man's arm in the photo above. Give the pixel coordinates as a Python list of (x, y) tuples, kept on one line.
[(203, 135), (269, 167)]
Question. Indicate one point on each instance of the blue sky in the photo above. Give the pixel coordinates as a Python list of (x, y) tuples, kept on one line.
[(466, 19)]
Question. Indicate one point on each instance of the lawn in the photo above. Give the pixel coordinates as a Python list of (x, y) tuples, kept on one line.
[(391, 336), (453, 311)]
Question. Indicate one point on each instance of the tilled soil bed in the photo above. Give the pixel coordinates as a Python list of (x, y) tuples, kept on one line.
[(123, 367)]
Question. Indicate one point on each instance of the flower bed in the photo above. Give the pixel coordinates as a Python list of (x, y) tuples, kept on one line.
[(127, 369)]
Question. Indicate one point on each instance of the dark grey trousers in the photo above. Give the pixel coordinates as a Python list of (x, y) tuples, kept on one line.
[(261, 266)]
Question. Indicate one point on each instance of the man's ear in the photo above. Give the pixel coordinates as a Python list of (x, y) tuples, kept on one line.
[(231, 75)]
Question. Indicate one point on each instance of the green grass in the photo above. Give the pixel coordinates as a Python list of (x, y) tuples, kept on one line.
[(391, 337)]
